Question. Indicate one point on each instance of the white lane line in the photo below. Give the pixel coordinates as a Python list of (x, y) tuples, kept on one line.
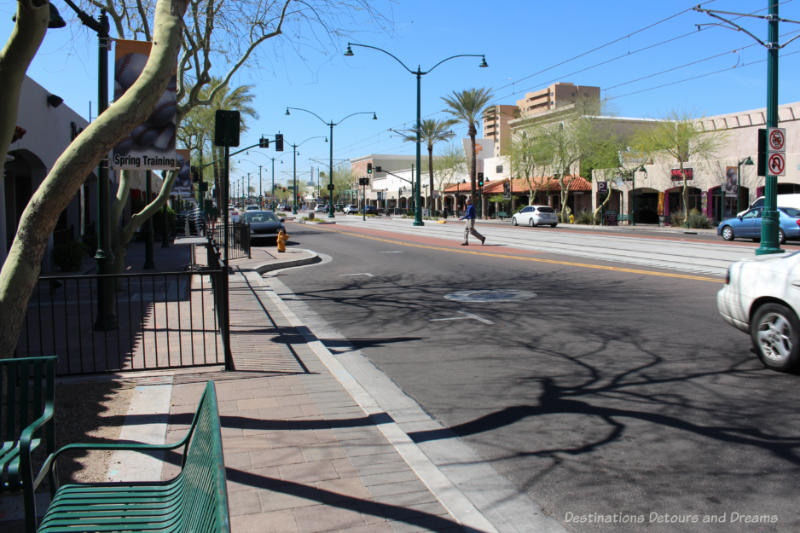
[(467, 316), (359, 274)]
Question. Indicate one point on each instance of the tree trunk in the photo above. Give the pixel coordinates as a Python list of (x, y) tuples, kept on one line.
[(473, 162), (430, 177), (15, 58), (20, 271)]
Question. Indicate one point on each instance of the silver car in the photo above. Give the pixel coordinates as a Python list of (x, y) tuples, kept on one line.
[(535, 215)]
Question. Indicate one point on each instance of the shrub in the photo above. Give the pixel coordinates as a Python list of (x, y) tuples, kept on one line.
[(68, 255), (696, 220), (584, 217)]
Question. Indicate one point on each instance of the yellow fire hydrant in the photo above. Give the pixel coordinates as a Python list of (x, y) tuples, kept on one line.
[(282, 238)]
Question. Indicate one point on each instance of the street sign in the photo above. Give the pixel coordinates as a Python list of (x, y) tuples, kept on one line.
[(776, 164), (777, 139), (602, 187), (330, 186)]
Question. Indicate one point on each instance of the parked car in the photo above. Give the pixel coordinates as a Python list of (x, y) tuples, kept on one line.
[(785, 200), (535, 215), (350, 209), (263, 224), (234, 214), (761, 297), (252, 207), (370, 210), (748, 225), (321, 209), (284, 207)]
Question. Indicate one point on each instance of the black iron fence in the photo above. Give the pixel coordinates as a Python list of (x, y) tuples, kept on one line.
[(159, 320), (238, 239)]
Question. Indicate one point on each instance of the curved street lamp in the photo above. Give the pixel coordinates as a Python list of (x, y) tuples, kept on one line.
[(418, 73), (746, 161), (294, 169), (331, 124)]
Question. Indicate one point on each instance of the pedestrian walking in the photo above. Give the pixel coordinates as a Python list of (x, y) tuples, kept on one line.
[(469, 224)]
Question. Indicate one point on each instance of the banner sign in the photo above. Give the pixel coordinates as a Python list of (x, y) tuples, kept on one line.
[(151, 145), (677, 176), (731, 182), (183, 182)]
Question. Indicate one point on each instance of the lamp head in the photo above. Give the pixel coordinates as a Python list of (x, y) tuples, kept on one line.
[(374, 116), (748, 161), (287, 111), (349, 51), (54, 100), (55, 18), (483, 64)]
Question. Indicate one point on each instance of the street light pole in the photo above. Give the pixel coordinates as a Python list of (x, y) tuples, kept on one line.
[(746, 161), (331, 124), (106, 314), (294, 170), (273, 184), (418, 73), (769, 219)]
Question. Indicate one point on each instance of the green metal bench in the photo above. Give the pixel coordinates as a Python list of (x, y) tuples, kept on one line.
[(194, 500), (27, 398), (623, 218), (502, 214)]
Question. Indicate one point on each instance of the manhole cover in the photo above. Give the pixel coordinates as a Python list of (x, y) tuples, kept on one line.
[(490, 295)]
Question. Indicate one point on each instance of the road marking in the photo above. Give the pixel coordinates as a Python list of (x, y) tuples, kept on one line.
[(467, 316), (359, 274), (531, 259)]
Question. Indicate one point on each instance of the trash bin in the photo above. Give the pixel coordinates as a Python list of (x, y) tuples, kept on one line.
[(611, 218)]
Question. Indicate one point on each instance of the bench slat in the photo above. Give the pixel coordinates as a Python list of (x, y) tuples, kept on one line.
[(195, 500)]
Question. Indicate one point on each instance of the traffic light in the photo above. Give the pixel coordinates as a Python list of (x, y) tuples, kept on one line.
[(279, 142), (369, 168), (263, 142), (480, 179), (762, 152)]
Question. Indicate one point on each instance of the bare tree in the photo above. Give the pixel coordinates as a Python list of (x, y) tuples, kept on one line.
[(218, 32), (21, 269), (530, 150), (448, 164), (680, 138)]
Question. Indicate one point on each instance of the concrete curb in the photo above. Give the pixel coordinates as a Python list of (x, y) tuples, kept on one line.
[(312, 258)]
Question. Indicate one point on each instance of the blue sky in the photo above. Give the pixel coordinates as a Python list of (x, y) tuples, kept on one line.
[(648, 58)]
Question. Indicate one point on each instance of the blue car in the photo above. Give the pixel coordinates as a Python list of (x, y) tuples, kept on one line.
[(748, 225)]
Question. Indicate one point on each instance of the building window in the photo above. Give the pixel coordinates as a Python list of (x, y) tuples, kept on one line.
[(498, 169)]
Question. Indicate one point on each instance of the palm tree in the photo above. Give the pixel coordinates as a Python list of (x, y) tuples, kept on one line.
[(200, 120), (431, 131), (466, 106)]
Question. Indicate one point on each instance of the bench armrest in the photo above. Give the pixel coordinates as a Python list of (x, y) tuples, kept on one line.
[(50, 462), (27, 434)]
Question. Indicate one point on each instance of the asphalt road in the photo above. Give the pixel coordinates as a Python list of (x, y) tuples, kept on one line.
[(612, 394)]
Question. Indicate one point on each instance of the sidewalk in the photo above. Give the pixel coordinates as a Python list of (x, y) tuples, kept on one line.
[(306, 448), (301, 454)]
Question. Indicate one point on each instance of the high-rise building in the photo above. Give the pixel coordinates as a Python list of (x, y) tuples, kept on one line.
[(495, 126), (557, 95)]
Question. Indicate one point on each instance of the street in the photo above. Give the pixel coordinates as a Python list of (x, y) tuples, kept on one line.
[(600, 380)]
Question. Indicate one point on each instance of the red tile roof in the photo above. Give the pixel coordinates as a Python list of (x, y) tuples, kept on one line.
[(520, 185)]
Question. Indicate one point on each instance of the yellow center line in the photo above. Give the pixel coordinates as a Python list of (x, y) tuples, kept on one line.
[(525, 258)]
